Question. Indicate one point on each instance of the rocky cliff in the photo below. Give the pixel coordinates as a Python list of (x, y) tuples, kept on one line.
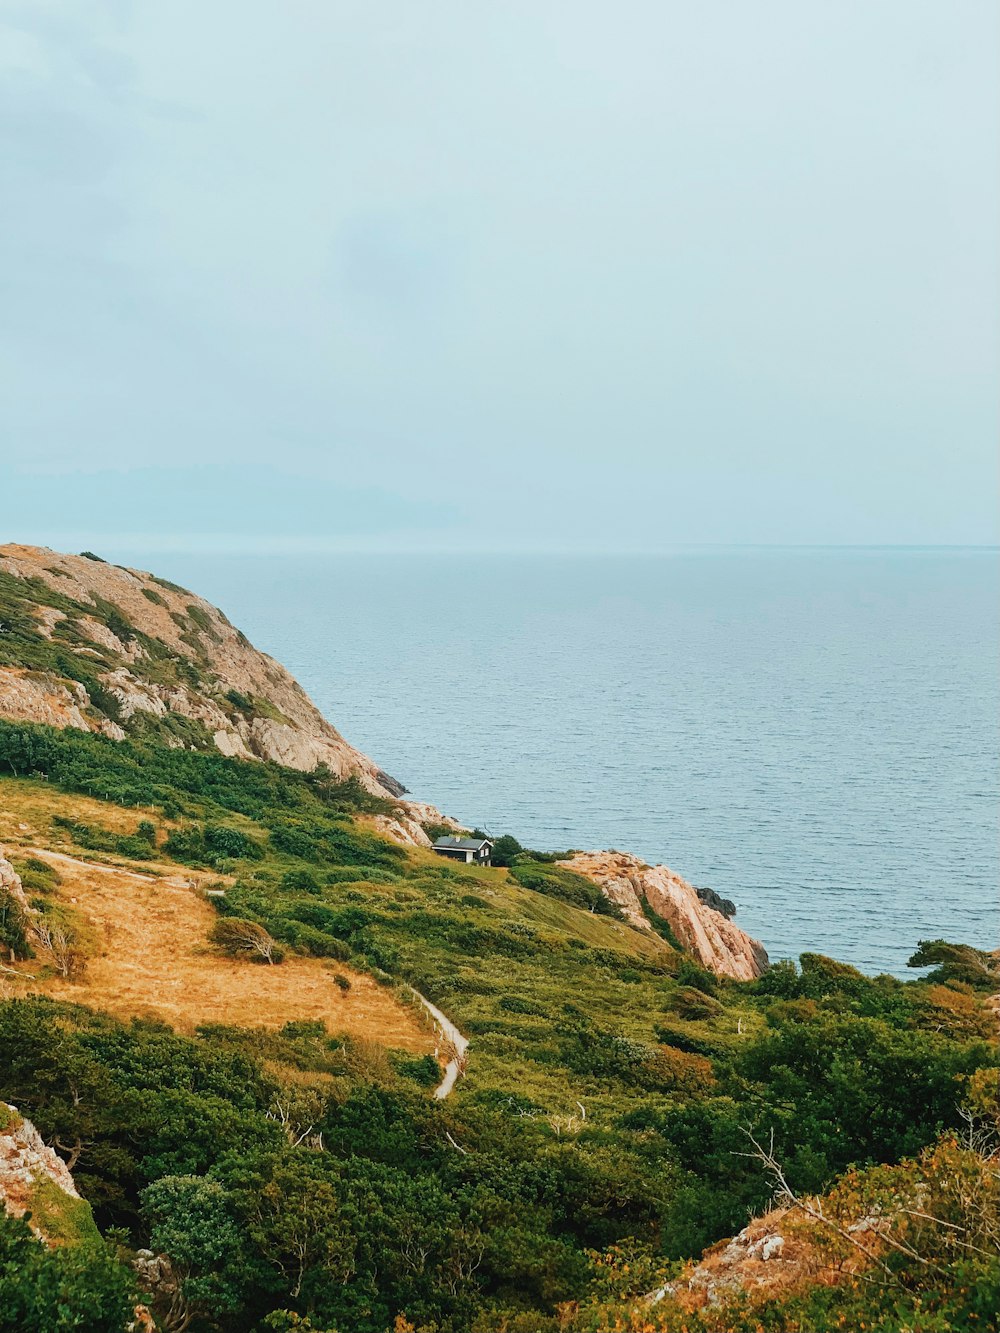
[(717, 943), (93, 645)]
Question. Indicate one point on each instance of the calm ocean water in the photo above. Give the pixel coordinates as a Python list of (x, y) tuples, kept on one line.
[(813, 733)]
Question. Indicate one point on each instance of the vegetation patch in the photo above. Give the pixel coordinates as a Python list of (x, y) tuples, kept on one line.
[(287, 1164), (61, 1219)]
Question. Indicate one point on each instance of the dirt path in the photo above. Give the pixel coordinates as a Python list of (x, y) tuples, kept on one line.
[(460, 1044), (44, 854)]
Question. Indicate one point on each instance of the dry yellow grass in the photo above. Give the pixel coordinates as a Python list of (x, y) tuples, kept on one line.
[(37, 802), (152, 959)]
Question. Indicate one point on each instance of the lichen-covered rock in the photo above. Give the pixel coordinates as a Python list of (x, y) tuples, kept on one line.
[(715, 941)]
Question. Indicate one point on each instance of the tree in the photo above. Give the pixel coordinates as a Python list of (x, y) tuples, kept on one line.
[(505, 849), (298, 1224), (60, 943), (239, 936), (190, 1221)]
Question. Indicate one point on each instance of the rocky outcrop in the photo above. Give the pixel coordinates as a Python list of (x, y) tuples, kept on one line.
[(768, 1258), (716, 942), (247, 703), (10, 885), (715, 900), (36, 1182), (406, 825), (400, 828), (46, 699)]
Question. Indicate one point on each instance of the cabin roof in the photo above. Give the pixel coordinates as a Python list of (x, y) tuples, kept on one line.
[(463, 844)]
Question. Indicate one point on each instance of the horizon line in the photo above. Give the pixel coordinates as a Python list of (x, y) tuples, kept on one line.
[(284, 546)]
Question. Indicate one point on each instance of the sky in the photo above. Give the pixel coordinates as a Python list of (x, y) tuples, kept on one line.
[(533, 275)]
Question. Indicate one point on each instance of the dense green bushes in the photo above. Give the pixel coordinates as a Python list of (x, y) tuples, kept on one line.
[(83, 1287), (211, 845), (133, 773), (182, 1143), (138, 846)]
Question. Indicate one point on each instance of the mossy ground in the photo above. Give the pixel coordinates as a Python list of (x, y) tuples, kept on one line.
[(62, 1219)]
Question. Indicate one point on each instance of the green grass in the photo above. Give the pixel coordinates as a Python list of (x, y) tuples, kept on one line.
[(9, 1118), (62, 1219)]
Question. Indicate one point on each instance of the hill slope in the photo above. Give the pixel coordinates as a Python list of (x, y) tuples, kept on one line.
[(207, 1009), (118, 651)]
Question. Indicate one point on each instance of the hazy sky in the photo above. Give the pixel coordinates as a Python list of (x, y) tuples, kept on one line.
[(489, 274)]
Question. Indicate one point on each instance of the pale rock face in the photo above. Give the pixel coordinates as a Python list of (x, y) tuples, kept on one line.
[(24, 1161), (401, 829), (717, 943), (26, 698), (422, 813), (100, 634), (230, 744), (132, 694), (49, 617)]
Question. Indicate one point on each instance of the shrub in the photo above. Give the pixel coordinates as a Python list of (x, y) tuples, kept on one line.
[(691, 1003), (309, 940), (423, 1070), (97, 839), (230, 842), (238, 936), (558, 882), (435, 831), (211, 845), (119, 626), (514, 1004), (82, 1287), (690, 973), (302, 881), (37, 875)]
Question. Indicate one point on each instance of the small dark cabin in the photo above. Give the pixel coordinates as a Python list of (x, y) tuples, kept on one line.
[(473, 851)]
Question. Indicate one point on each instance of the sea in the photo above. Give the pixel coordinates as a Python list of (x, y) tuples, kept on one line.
[(812, 733)]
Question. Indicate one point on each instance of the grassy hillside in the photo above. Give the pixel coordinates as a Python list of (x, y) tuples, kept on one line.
[(285, 1151)]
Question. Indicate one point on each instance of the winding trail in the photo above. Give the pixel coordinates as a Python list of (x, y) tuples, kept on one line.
[(456, 1064)]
